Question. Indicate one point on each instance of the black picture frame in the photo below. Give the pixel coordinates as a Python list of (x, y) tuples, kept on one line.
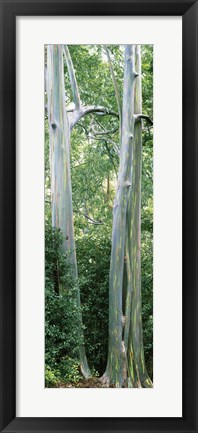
[(188, 9)]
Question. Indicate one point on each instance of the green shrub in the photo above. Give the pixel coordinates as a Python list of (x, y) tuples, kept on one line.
[(70, 370), (62, 331), (52, 377), (147, 298), (93, 254)]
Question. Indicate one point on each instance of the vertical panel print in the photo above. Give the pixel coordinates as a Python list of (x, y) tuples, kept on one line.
[(99, 216)]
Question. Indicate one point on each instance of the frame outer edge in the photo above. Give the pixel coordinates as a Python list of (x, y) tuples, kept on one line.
[(1, 222), (8, 218), (7, 258), (196, 317), (190, 205)]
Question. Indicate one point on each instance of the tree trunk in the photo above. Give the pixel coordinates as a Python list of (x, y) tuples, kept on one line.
[(116, 356), (137, 372), (126, 364), (59, 132)]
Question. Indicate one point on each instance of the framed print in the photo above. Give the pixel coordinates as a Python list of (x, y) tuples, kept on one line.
[(98, 216)]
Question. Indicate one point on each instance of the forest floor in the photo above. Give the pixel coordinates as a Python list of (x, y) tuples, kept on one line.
[(93, 382)]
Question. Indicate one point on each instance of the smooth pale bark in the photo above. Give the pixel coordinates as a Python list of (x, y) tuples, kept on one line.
[(59, 131), (126, 363), (116, 355), (59, 149), (137, 372)]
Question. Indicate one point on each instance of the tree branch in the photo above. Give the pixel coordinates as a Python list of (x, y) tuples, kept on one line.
[(83, 127), (79, 111), (91, 220), (117, 92), (110, 155), (105, 132), (105, 139), (72, 77), (97, 109), (145, 117)]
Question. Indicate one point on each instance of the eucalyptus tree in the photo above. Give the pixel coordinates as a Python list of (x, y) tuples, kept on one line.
[(126, 363), (62, 120)]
